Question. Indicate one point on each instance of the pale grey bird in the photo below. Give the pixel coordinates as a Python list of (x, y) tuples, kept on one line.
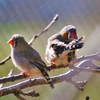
[(27, 59)]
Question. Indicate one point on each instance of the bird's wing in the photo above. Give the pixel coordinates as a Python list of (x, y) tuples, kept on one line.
[(59, 46), (34, 58)]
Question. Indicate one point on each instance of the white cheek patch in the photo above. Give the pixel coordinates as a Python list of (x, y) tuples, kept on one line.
[(69, 35)]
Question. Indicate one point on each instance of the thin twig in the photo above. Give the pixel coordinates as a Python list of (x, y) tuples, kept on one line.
[(29, 93), (4, 60), (9, 74), (95, 56), (19, 96), (34, 37), (44, 30)]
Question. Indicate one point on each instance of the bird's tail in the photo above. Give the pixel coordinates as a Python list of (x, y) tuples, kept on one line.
[(47, 78)]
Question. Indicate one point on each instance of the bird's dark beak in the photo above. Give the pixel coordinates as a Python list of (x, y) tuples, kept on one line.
[(10, 41)]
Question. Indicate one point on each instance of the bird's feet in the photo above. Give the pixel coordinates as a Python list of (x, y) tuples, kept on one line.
[(52, 64), (25, 74)]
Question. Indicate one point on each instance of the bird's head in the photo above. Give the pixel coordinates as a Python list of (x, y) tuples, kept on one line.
[(69, 32), (17, 42)]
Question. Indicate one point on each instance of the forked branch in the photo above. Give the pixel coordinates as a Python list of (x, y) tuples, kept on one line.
[(56, 79)]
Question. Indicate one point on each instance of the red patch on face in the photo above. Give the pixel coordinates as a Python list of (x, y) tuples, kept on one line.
[(73, 35)]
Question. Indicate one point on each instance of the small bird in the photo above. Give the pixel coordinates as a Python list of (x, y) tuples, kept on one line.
[(61, 47), (27, 59)]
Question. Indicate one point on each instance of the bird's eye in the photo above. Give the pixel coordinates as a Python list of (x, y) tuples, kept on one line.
[(15, 43)]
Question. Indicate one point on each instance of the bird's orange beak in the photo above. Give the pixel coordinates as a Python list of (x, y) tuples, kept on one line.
[(10, 41)]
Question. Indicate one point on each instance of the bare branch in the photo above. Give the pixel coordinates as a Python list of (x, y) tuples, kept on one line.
[(29, 93), (91, 57), (85, 65), (46, 29), (9, 74), (38, 81), (11, 78), (34, 37), (19, 96), (4, 60)]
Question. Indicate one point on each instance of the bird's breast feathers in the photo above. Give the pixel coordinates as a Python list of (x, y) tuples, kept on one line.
[(65, 58), (19, 61), (23, 64)]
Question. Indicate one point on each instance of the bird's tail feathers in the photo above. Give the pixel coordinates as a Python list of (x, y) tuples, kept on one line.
[(47, 78)]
